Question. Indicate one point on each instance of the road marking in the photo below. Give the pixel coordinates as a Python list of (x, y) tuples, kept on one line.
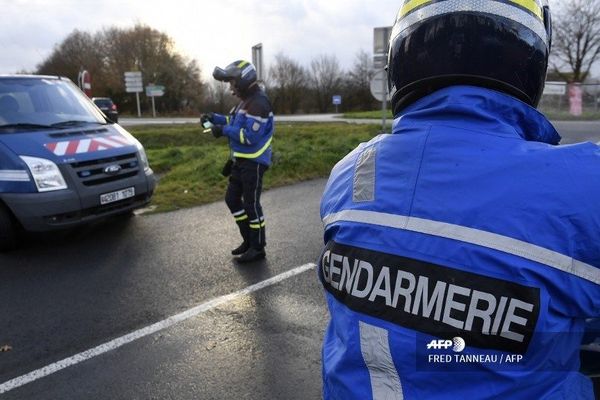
[(140, 333)]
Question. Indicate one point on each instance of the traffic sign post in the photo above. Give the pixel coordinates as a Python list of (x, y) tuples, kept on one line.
[(133, 84), (257, 60), (381, 42), (153, 91), (336, 100), (84, 79), (379, 90)]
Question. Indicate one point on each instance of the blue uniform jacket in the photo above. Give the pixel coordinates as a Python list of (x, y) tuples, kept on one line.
[(250, 128), (461, 256)]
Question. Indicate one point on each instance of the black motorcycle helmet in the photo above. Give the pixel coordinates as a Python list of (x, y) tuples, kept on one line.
[(502, 45), (241, 73)]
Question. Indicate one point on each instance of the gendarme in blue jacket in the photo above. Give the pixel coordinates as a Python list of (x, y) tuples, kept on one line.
[(462, 256), (250, 127)]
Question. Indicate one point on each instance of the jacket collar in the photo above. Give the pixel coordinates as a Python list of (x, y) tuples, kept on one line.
[(486, 108)]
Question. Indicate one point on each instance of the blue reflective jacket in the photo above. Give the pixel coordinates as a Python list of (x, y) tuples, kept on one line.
[(461, 256), (250, 128)]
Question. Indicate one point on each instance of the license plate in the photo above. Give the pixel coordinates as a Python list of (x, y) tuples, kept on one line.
[(116, 196)]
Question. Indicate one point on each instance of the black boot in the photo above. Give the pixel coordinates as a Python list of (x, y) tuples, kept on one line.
[(252, 255), (245, 232), (256, 250), (241, 249)]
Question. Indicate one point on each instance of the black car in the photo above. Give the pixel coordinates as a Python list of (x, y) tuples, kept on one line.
[(108, 107)]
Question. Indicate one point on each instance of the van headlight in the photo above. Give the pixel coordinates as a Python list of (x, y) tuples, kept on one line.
[(46, 175), (138, 145), (144, 158)]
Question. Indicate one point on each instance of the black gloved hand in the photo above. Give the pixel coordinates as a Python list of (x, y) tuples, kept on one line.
[(207, 117), (217, 131)]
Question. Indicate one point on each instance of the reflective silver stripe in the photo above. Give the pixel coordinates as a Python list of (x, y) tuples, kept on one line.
[(375, 349), (505, 10), (14, 175), (238, 213), (256, 117), (363, 188), (478, 237)]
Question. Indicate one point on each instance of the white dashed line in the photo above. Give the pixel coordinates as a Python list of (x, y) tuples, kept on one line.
[(148, 330)]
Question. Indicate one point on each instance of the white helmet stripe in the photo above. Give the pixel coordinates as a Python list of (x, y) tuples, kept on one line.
[(505, 10)]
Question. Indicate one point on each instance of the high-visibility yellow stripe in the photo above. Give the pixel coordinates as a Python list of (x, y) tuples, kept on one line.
[(243, 217), (227, 119), (411, 5), (241, 136), (243, 63), (532, 6), (254, 155), (257, 226)]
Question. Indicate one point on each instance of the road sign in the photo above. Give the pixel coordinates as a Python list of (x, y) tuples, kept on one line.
[(380, 61), (381, 39), (555, 88), (155, 90), (379, 86), (336, 100), (133, 82), (134, 89), (84, 79)]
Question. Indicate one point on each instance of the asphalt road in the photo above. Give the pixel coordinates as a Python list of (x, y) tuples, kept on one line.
[(60, 296), (64, 294)]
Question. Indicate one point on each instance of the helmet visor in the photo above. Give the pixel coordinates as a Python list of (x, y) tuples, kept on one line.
[(224, 75)]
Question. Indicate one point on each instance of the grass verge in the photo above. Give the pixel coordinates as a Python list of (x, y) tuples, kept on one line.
[(376, 114), (188, 162)]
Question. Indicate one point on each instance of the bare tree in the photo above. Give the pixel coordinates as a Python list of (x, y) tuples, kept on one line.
[(357, 92), (78, 50), (220, 98), (325, 79), (290, 82), (108, 54), (576, 43), (153, 53)]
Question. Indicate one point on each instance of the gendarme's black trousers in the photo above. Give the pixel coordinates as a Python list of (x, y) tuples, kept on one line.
[(243, 200)]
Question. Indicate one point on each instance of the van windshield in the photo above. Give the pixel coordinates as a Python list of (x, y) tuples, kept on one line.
[(36, 101)]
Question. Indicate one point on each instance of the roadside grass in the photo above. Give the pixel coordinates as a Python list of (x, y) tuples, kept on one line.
[(189, 162), (375, 114)]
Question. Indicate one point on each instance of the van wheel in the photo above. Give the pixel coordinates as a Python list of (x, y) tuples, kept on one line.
[(8, 231)]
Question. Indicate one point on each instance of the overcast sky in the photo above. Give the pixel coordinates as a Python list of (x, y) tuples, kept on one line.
[(211, 32)]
